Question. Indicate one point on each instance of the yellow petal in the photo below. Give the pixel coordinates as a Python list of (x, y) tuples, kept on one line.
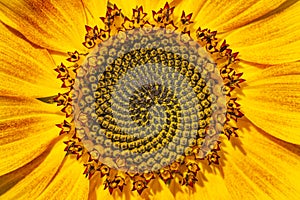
[(253, 167), (158, 190), (29, 181), (94, 9), (188, 6), (249, 69), (162, 191), (27, 128), (69, 182), (229, 15), (59, 58), (179, 191), (210, 186), (25, 70), (95, 184), (100, 193), (262, 166), (53, 24), (271, 100), (273, 40)]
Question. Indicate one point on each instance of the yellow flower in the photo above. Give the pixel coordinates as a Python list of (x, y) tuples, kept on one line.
[(262, 163)]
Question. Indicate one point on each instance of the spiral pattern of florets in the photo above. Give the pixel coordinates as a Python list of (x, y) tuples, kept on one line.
[(108, 116), (146, 99)]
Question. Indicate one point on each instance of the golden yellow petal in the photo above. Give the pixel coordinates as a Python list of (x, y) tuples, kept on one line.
[(271, 100), (95, 9), (59, 58), (96, 188), (25, 70), (229, 15), (68, 183), (161, 190), (252, 167), (273, 40), (53, 24), (260, 166), (188, 6), (249, 69), (30, 182), (102, 194), (179, 191), (211, 185), (18, 153), (27, 128)]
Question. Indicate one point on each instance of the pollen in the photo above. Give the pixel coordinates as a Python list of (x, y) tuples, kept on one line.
[(150, 100)]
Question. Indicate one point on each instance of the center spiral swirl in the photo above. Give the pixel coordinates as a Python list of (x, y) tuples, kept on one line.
[(147, 98)]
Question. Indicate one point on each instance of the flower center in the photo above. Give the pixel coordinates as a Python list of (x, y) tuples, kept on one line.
[(149, 100)]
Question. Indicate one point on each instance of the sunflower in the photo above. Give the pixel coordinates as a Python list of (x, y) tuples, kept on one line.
[(49, 48)]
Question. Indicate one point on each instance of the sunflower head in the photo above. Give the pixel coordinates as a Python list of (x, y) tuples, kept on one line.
[(149, 100)]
